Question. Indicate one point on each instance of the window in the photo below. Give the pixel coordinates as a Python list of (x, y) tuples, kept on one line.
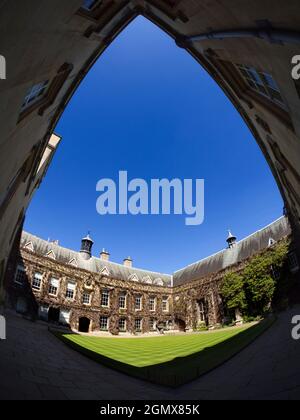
[(165, 303), (122, 324), (34, 93), (53, 288), (103, 323), (152, 324), (90, 4), (105, 298), (86, 298), (20, 275), (293, 262), (138, 303), (201, 308), (138, 324), (152, 303), (70, 290), (122, 301), (261, 82), (37, 280)]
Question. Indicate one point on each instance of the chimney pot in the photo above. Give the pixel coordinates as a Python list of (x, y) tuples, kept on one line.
[(127, 262), (104, 255)]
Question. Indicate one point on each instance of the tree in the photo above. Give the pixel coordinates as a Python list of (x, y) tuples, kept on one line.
[(233, 292), (258, 274)]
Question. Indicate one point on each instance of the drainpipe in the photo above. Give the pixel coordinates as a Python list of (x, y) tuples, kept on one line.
[(275, 36)]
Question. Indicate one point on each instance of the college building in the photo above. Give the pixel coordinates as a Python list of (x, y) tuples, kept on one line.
[(87, 293)]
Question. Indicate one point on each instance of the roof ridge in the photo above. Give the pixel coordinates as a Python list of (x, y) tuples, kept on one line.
[(238, 243)]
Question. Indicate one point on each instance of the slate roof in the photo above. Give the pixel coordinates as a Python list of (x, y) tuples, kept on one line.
[(244, 249), (95, 265)]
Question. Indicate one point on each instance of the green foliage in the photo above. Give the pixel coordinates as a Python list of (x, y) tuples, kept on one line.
[(259, 283), (252, 291), (233, 291), (201, 327)]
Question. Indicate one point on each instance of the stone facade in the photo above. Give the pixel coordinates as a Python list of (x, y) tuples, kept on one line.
[(56, 284), (92, 284)]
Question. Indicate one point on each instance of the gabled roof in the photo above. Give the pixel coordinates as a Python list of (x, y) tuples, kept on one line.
[(241, 251), (96, 265)]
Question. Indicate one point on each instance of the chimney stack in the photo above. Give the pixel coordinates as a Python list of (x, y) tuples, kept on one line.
[(104, 255), (127, 262)]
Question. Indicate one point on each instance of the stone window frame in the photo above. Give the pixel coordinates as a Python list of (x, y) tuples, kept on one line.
[(140, 298), (20, 272), (125, 324), (165, 300), (48, 96), (202, 310), (262, 83), (53, 288), (84, 300), (70, 296), (37, 280), (121, 296), (34, 94), (105, 298), (140, 322), (229, 71), (154, 299), (104, 327), (98, 10)]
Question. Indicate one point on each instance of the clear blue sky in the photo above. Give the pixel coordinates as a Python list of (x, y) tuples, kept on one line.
[(147, 107)]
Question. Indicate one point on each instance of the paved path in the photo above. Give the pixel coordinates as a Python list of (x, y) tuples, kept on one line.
[(35, 365)]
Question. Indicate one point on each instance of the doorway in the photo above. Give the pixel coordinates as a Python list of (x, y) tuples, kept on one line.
[(84, 324)]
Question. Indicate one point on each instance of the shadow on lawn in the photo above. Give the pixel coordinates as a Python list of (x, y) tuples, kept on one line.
[(181, 369)]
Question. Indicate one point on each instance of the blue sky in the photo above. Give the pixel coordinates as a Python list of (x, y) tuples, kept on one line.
[(147, 107)]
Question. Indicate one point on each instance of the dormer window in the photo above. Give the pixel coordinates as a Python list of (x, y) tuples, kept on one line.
[(271, 242)]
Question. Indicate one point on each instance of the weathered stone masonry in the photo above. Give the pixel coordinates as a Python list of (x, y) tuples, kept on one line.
[(187, 299)]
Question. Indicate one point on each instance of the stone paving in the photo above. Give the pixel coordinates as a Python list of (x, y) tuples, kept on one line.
[(35, 365)]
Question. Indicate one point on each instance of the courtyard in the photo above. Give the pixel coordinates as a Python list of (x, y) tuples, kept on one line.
[(167, 360), (36, 365)]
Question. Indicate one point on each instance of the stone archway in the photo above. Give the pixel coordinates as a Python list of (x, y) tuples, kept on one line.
[(241, 33), (84, 324), (181, 324)]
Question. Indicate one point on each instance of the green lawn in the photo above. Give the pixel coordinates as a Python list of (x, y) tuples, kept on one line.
[(167, 360)]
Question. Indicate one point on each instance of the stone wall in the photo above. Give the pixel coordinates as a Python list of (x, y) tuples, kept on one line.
[(86, 282)]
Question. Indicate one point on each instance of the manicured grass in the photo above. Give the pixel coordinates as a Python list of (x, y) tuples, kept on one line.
[(166, 360)]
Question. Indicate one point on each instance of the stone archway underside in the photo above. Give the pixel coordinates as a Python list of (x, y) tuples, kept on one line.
[(59, 42)]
